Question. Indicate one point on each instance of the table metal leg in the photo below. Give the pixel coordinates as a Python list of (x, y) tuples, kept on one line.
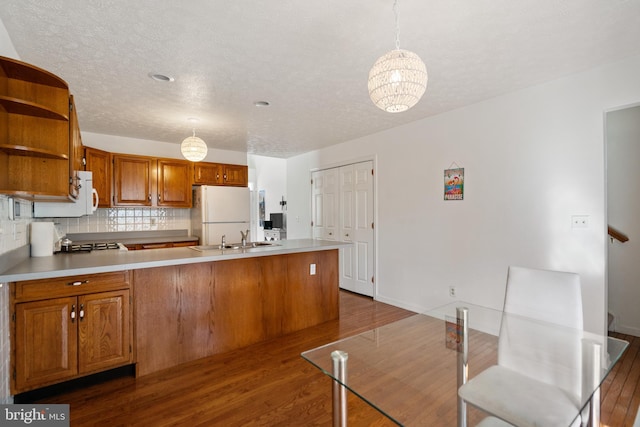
[(339, 391), (594, 410), (462, 315)]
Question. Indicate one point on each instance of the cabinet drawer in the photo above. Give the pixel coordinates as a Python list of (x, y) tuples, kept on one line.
[(31, 290)]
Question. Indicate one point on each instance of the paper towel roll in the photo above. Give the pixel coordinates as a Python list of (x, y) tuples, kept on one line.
[(41, 239)]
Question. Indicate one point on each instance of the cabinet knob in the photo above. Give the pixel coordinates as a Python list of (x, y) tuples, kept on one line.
[(159, 198), (81, 311), (73, 313), (149, 197)]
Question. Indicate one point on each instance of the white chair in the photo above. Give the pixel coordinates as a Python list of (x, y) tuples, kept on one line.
[(528, 360)]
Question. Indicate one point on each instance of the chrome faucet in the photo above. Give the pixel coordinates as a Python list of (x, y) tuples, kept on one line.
[(245, 236), (224, 241)]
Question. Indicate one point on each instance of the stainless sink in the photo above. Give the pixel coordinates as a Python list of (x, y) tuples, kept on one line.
[(249, 245)]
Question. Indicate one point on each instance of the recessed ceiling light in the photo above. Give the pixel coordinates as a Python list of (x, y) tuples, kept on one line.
[(161, 77), (261, 104)]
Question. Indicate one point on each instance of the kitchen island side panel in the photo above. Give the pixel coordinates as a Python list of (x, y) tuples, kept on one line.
[(191, 311), (173, 309)]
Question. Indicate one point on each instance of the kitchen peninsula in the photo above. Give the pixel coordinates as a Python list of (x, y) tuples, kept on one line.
[(163, 307)]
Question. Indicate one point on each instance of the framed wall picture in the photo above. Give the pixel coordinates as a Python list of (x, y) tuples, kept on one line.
[(454, 184)]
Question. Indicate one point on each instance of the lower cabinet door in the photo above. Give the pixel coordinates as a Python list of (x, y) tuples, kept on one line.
[(46, 342), (104, 331)]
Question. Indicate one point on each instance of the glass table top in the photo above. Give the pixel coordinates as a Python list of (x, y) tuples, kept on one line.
[(407, 370)]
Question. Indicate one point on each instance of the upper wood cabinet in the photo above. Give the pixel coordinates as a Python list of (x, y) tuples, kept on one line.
[(34, 133), (132, 179), (99, 162), (174, 183), (220, 174), (146, 181)]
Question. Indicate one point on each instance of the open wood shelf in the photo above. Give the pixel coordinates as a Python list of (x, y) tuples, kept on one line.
[(20, 150), (19, 106), (17, 70), (36, 156)]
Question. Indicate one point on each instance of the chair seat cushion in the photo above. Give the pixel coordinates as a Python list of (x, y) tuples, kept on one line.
[(520, 400)]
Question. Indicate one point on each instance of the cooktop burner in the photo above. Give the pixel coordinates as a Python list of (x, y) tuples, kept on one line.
[(88, 247)]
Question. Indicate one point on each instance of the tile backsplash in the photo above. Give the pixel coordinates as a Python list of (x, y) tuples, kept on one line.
[(127, 219), (14, 233)]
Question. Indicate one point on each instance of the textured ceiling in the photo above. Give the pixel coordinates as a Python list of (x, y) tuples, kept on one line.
[(309, 59)]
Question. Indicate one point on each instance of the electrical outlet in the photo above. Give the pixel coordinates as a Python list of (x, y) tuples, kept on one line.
[(580, 221), (452, 291), (312, 269)]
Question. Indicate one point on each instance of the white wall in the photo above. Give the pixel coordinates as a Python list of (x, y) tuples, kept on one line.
[(532, 159), (623, 211), (6, 46)]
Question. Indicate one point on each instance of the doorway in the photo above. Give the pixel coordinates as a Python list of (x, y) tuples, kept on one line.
[(622, 127)]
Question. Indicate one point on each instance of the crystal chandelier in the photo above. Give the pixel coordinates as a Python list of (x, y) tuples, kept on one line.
[(398, 79), (193, 148)]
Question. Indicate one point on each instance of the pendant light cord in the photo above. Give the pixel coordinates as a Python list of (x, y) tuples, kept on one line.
[(395, 10)]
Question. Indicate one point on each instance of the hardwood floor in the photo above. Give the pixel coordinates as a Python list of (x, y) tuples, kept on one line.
[(620, 392), (269, 384)]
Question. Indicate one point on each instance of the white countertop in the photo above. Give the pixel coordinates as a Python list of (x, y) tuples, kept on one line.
[(77, 263)]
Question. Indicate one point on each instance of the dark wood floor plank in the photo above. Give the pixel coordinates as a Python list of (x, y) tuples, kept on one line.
[(269, 384)]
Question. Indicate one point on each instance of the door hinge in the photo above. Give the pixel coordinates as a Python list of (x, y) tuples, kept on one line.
[(372, 281), (13, 316), (371, 171), (311, 181), (372, 227), (14, 374), (312, 223)]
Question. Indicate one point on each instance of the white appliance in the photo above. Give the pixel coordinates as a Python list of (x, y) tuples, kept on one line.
[(219, 211), (85, 204)]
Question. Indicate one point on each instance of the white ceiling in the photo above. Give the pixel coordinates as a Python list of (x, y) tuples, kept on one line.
[(309, 59)]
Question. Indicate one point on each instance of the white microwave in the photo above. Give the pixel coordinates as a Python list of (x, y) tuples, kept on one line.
[(85, 204)]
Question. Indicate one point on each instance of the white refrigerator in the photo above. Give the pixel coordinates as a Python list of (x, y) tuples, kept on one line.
[(219, 211)]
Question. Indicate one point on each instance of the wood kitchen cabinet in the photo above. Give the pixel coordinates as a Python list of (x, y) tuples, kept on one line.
[(147, 181), (174, 183), (69, 327), (35, 125), (220, 174), (99, 162)]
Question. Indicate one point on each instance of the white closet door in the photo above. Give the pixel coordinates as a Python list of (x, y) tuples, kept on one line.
[(324, 204), (342, 209), (356, 226)]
